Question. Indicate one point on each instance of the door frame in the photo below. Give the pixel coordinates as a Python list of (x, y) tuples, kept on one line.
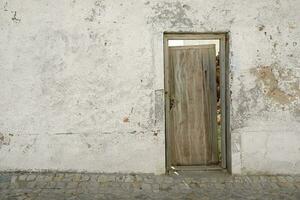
[(224, 95)]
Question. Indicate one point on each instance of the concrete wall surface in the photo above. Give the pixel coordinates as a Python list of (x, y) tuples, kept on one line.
[(81, 82)]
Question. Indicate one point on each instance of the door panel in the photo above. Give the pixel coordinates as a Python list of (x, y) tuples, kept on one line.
[(193, 105)]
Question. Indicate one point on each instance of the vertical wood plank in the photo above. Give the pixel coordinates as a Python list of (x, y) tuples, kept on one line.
[(193, 96)]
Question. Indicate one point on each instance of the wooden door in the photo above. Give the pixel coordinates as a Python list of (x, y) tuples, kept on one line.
[(192, 109)]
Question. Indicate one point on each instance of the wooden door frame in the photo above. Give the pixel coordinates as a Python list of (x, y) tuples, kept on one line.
[(224, 93)]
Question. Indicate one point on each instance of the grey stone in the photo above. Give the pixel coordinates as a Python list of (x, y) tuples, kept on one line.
[(31, 177), (72, 185), (14, 179), (168, 179), (106, 178), (139, 178), (50, 185), (85, 177), (155, 188), (148, 187), (5, 178), (58, 177), (129, 179), (149, 180), (4, 185), (31, 184), (22, 177), (60, 185), (76, 177)]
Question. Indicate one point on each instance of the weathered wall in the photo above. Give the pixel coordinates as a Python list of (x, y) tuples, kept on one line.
[(82, 82)]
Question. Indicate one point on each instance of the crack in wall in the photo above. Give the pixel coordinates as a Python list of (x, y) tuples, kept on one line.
[(14, 18)]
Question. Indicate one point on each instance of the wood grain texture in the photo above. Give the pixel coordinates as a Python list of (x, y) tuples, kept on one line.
[(192, 105)]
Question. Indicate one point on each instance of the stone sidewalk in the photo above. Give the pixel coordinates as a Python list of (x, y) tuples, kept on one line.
[(188, 186)]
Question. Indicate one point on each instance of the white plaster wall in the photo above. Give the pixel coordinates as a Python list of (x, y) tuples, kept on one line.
[(81, 82)]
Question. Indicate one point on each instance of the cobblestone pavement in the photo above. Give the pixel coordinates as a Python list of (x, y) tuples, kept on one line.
[(209, 185)]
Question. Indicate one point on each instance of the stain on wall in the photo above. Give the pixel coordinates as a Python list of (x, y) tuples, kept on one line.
[(271, 84), (96, 11), (5, 139), (173, 14)]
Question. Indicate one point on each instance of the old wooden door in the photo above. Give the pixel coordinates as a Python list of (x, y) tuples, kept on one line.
[(193, 105)]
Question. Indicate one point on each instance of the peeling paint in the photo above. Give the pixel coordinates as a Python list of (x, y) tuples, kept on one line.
[(174, 14), (271, 87), (96, 12)]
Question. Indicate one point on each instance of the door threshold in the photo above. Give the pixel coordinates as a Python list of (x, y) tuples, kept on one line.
[(197, 168)]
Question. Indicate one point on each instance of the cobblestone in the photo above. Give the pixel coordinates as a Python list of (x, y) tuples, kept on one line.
[(198, 186)]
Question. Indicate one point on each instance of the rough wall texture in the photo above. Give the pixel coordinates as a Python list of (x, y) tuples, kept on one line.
[(82, 82)]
